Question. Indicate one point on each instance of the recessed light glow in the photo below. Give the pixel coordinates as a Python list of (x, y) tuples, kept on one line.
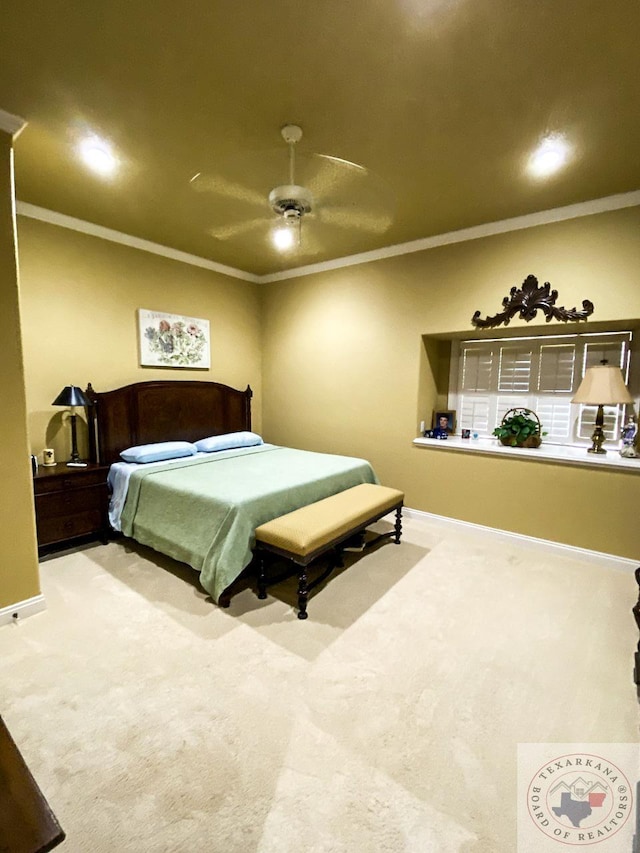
[(98, 156), (550, 156), (283, 238)]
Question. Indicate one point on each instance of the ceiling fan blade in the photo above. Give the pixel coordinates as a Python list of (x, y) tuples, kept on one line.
[(327, 174), (345, 217), (226, 232), (346, 164), (229, 189)]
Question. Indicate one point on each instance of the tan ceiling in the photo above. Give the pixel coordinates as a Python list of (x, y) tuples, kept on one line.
[(441, 100)]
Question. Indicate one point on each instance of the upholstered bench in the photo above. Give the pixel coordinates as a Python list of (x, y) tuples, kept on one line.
[(324, 526)]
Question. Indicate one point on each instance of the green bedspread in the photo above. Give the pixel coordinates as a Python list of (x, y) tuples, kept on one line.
[(204, 511)]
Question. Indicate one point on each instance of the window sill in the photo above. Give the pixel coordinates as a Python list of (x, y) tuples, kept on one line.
[(545, 453)]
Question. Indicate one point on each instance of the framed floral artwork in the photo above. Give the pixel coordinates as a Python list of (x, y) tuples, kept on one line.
[(171, 340)]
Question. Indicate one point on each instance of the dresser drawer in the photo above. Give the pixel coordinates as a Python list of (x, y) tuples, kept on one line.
[(60, 528), (58, 504), (59, 481)]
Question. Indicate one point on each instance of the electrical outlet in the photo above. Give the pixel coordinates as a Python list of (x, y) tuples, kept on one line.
[(421, 427)]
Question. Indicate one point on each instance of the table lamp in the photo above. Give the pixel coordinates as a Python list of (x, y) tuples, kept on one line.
[(73, 396), (603, 385)]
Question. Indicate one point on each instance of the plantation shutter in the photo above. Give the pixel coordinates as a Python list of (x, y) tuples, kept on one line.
[(477, 368), (615, 352), (556, 377), (541, 374), (514, 378)]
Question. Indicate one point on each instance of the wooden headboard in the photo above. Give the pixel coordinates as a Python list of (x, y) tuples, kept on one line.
[(162, 410)]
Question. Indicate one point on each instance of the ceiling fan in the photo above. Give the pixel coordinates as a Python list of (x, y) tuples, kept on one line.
[(336, 194)]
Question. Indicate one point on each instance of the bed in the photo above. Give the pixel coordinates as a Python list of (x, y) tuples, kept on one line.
[(203, 509)]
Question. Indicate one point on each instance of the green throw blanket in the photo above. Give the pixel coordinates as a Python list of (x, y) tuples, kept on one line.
[(205, 510)]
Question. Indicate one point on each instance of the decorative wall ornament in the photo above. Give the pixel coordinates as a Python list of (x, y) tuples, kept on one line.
[(527, 301)]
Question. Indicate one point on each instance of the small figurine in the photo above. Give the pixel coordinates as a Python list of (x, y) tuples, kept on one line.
[(629, 434)]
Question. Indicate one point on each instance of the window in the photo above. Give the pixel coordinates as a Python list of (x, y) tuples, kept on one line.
[(543, 374)]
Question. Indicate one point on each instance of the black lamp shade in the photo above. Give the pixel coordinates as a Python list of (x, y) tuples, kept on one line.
[(71, 395)]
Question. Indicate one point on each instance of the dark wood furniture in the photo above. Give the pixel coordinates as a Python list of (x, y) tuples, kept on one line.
[(27, 824), (636, 613), (71, 503), (163, 410)]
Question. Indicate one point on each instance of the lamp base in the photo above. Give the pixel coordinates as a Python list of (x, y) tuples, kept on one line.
[(75, 456), (598, 436)]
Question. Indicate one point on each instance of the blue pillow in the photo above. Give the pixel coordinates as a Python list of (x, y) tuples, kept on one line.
[(158, 452), (227, 441)]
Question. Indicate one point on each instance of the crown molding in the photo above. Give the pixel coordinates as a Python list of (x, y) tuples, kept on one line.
[(12, 124), (516, 223), (31, 211)]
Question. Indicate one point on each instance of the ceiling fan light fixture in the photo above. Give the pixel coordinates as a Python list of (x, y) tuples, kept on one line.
[(287, 235), (291, 202)]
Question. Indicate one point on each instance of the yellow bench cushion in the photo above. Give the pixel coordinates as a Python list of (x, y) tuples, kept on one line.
[(306, 529)]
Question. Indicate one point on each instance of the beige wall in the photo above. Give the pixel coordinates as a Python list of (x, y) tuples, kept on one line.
[(80, 299), (18, 557), (345, 370)]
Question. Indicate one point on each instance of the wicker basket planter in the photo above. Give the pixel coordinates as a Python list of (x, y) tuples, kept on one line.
[(520, 428)]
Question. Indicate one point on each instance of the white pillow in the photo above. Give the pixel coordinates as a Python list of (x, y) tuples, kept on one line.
[(158, 452), (227, 441)]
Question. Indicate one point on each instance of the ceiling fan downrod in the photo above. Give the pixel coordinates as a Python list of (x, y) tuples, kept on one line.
[(290, 200), (291, 134)]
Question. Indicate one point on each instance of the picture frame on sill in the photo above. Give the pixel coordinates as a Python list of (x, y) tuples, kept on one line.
[(444, 423), (173, 340)]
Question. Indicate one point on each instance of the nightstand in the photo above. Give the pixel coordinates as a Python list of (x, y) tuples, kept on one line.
[(71, 503)]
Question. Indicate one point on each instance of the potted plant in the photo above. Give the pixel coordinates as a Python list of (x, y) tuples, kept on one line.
[(520, 428)]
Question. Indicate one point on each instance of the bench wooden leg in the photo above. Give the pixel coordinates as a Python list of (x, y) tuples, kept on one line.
[(262, 577), (303, 593), (398, 528)]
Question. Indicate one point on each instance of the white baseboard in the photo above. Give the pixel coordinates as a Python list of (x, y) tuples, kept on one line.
[(19, 611), (608, 561)]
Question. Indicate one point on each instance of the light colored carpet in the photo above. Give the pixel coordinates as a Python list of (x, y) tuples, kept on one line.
[(387, 722)]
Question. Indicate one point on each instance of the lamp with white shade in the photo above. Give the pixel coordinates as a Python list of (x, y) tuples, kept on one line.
[(602, 385)]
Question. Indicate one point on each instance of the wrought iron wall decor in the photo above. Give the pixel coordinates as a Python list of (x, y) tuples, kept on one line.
[(527, 301)]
